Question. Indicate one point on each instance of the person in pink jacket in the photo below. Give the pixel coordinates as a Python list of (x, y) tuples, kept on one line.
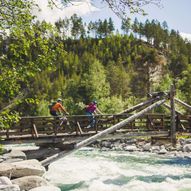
[(92, 110)]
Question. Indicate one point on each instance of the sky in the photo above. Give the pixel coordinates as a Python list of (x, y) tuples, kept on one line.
[(175, 12)]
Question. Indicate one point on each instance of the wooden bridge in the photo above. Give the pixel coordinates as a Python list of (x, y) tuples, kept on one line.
[(47, 129), (73, 133)]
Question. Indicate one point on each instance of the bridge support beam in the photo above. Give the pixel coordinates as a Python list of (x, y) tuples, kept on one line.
[(183, 103), (173, 116), (140, 105), (89, 140)]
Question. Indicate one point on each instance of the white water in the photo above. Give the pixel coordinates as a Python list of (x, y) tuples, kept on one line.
[(113, 171)]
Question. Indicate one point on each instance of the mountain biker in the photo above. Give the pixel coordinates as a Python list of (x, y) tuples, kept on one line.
[(91, 109), (57, 108)]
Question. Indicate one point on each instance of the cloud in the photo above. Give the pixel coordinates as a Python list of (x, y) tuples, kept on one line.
[(81, 8), (185, 36)]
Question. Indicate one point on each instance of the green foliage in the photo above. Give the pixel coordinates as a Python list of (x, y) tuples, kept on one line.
[(111, 105), (93, 83), (15, 13), (184, 83), (183, 137), (42, 108), (74, 108), (39, 61), (165, 83), (8, 119), (119, 80)]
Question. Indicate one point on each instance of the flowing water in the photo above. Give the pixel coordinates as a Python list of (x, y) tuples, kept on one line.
[(94, 170)]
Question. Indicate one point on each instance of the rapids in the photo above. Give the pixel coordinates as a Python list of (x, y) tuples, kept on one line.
[(94, 170)]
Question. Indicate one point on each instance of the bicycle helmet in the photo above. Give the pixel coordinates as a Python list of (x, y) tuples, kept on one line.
[(95, 102), (59, 99)]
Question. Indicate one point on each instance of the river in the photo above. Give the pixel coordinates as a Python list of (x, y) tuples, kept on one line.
[(94, 170)]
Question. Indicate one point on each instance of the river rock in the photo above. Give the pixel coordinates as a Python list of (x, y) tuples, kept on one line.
[(9, 187), (187, 156), (5, 180), (147, 147), (23, 168), (130, 148), (181, 141), (6, 184), (187, 148), (1, 159), (29, 182), (117, 144), (106, 144), (155, 149), (46, 188), (41, 153), (179, 154), (105, 149), (131, 141), (15, 154), (162, 151), (187, 141)]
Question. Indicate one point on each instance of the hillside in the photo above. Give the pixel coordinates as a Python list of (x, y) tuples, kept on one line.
[(41, 63)]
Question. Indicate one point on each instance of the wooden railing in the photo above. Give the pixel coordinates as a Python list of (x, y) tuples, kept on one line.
[(38, 126)]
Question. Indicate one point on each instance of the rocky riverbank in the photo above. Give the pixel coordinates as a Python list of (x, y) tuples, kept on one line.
[(19, 174), (162, 147), (19, 171)]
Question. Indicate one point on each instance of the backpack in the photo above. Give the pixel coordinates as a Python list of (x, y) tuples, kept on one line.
[(51, 104), (85, 108)]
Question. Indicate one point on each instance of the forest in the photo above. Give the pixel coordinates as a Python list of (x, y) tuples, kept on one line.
[(80, 62)]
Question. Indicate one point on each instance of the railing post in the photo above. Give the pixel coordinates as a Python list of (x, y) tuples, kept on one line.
[(173, 115)]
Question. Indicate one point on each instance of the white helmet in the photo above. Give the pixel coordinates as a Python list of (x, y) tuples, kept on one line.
[(59, 99)]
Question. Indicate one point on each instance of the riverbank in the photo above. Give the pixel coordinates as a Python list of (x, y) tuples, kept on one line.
[(19, 171), (160, 146)]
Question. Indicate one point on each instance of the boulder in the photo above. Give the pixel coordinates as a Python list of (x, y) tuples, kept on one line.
[(106, 144), (6, 169), (6, 184), (15, 154), (187, 148), (1, 159), (9, 188), (155, 148), (23, 168), (180, 141), (187, 156), (147, 147), (5, 181), (186, 141), (116, 144), (105, 149), (30, 182), (162, 151), (41, 153), (131, 141), (130, 148)]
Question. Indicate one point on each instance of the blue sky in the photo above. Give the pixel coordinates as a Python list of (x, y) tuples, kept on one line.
[(175, 12)]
